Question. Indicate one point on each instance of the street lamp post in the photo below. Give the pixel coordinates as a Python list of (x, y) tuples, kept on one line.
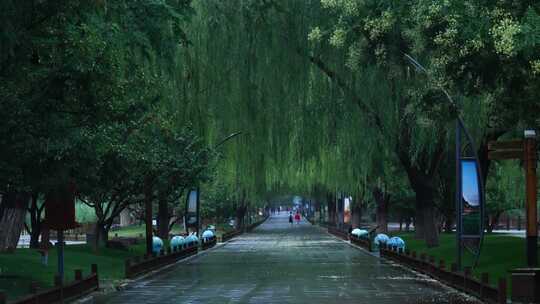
[(473, 239)]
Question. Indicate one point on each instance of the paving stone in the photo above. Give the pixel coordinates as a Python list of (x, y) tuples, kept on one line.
[(283, 263)]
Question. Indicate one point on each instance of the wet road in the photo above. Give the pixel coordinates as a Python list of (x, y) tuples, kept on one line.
[(280, 263)]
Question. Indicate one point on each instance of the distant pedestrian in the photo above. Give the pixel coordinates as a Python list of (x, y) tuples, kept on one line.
[(297, 217), (290, 218)]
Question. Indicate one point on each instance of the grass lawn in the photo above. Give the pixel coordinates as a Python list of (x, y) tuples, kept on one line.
[(19, 269), (24, 266), (500, 253)]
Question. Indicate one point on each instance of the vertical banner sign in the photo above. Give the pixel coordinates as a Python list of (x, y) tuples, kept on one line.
[(469, 198), (470, 206), (192, 210), (347, 210)]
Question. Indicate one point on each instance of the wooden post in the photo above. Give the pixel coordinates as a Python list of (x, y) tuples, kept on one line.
[(94, 269), (467, 276), (57, 280), (502, 291), (127, 268), (485, 282), (78, 274), (485, 278), (34, 287), (530, 186), (3, 297)]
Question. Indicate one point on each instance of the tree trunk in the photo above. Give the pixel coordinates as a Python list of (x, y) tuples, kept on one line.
[(332, 216), (418, 220), (101, 234), (424, 195), (381, 199), (425, 224), (45, 238), (448, 224), (356, 215), (2, 203), (240, 215), (35, 222), (494, 221), (34, 235), (12, 220), (163, 219)]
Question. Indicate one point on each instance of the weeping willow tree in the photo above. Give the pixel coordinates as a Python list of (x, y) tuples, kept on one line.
[(326, 103), (246, 70)]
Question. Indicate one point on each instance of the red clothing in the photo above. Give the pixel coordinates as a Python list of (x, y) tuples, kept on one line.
[(297, 217)]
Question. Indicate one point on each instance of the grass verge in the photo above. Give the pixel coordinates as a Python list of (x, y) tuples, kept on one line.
[(19, 269), (500, 254)]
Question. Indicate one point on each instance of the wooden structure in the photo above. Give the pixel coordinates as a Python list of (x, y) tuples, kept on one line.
[(524, 150)]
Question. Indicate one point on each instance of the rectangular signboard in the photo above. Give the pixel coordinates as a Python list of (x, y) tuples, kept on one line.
[(347, 210), (471, 201), (192, 209)]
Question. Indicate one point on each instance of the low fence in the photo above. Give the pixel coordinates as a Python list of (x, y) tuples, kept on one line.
[(60, 292), (231, 234), (362, 242), (208, 243), (460, 280), (337, 232), (256, 224), (135, 267)]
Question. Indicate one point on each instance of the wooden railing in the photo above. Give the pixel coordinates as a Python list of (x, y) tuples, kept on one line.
[(459, 280), (231, 234), (61, 292), (338, 232), (137, 266), (364, 242), (256, 224), (208, 243)]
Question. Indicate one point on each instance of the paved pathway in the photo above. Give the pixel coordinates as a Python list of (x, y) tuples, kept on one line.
[(280, 263)]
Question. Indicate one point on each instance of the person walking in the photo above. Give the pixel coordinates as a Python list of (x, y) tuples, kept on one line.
[(297, 217), (290, 218)]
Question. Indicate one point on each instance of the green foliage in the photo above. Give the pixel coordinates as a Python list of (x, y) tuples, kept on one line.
[(505, 189), (113, 92)]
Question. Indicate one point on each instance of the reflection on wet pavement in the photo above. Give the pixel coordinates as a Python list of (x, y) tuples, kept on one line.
[(284, 263)]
